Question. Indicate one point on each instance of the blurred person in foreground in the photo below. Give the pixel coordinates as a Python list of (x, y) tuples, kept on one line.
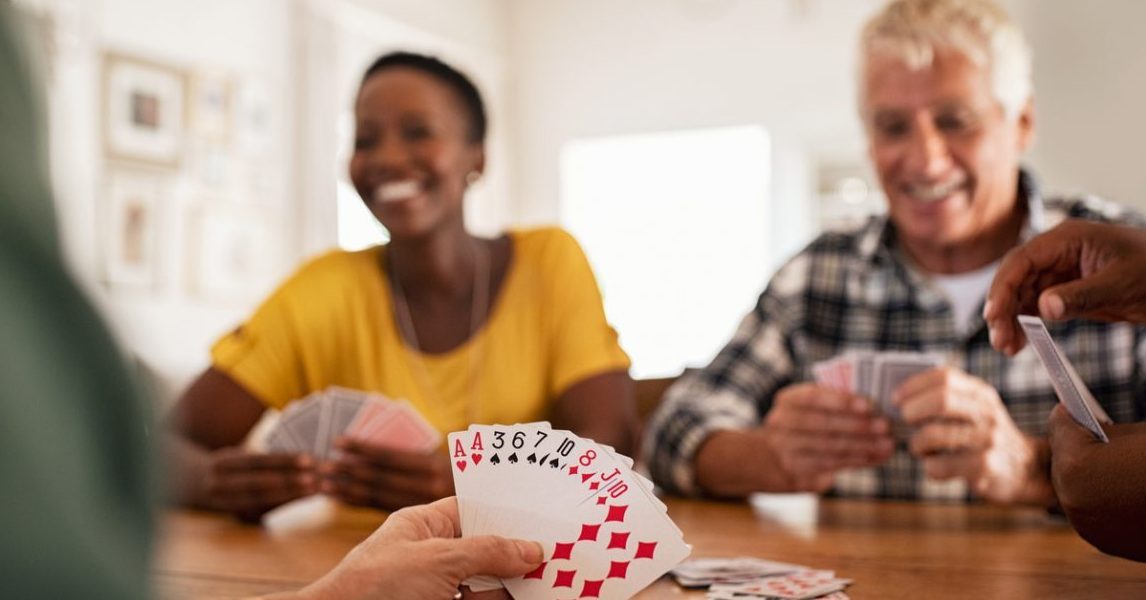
[(946, 102), (1083, 270), (469, 329), (77, 505)]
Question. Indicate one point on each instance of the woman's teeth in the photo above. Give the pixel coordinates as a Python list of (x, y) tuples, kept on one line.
[(395, 191)]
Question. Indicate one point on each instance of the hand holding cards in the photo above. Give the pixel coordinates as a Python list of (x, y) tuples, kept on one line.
[(1068, 386), (604, 533), (311, 425), (875, 375)]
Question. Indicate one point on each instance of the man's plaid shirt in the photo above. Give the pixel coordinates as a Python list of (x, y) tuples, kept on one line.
[(851, 291)]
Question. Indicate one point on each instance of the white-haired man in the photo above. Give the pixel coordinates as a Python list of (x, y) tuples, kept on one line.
[(945, 97)]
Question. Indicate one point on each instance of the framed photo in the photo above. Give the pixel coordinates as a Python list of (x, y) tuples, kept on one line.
[(144, 108), (131, 228), (254, 118), (234, 252), (212, 106)]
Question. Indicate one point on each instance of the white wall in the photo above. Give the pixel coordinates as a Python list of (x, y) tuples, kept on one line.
[(1090, 86)]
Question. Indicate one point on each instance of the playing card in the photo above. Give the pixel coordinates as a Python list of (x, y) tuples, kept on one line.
[(603, 535), (369, 416), (311, 425), (703, 572), (399, 426), (799, 585), (339, 408), (1071, 391), (302, 421), (891, 369), (279, 440), (863, 375)]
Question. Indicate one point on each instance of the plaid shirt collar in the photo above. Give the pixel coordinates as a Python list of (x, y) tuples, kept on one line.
[(876, 245)]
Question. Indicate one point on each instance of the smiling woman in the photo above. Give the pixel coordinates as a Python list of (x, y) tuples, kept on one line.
[(468, 329)]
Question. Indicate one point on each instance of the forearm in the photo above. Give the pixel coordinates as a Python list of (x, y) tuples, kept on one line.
[(188, 464), (600, 408), (734, 464)]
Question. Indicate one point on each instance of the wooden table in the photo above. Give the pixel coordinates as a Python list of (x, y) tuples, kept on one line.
[(891, 550)]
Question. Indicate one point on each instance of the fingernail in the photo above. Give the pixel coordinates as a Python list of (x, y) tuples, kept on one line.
[(1053, 307), (531, 552), (992, 334), (986, 309)]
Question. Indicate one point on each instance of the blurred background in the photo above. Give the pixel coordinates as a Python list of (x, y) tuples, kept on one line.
[(199, 146)]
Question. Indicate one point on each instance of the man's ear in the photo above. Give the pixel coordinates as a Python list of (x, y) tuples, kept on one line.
[(1026, 125)]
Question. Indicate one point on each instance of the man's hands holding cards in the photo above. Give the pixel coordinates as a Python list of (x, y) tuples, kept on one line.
[(954, 422), (962, 430), (812, 432)]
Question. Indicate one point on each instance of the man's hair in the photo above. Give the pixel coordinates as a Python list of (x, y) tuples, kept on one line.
[(461, 85), (980, 30)]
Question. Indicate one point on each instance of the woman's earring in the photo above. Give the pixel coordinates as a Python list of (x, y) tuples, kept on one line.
[(472, 177)]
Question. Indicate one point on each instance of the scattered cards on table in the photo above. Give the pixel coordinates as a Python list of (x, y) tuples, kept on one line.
[(1068, 386), (744, 578), (312, 424), (604, 533), (875, 375)]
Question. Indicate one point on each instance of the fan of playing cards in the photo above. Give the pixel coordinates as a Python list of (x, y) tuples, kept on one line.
[(311, 425), (874, 375), (604, 533), (744, 578)]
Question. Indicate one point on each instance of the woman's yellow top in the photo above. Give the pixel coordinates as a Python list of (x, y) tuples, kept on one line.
[(333, 323)]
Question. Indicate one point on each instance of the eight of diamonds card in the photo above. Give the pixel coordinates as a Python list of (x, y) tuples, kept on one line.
[(1071, 391), (604, 533)]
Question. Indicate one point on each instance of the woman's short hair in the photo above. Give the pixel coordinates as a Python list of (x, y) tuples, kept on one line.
[(461, 85)]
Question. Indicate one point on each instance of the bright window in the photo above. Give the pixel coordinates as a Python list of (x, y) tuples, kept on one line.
[(357, 227), (675, 225)]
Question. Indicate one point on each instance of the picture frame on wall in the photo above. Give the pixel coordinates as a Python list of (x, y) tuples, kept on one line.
[(212, 106), (144, 110), (131, 250), (234, 252)]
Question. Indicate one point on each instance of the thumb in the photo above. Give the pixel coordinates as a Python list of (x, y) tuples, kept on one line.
[(1080, 298), (493, 555)]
